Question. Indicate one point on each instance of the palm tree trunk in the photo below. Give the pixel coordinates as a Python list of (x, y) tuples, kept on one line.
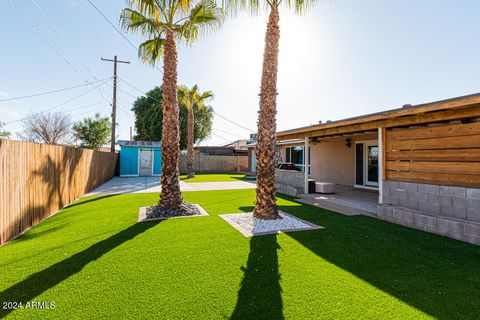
[(190, 138), (171, 195), (265, 205)]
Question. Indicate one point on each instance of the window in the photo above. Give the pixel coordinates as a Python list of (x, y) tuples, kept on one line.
[(295, 155)]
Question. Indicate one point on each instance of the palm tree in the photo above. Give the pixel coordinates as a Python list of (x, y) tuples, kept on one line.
[(165, 22), (191, 100), (265, 204)]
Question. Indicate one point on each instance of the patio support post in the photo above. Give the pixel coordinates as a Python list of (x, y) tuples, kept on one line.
[(306, 158), (380, 165)]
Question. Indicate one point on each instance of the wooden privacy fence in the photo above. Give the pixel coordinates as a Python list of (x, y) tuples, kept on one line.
[(36, 180), (447, 154)]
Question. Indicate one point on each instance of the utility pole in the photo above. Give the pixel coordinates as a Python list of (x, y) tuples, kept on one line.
[(114, 100)]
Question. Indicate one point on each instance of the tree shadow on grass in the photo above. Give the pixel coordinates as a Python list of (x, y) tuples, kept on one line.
[(434, 274), (260, 295), (95, 198), (39, 282)]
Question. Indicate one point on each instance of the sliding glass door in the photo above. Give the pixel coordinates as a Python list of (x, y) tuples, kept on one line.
[(366, 163)]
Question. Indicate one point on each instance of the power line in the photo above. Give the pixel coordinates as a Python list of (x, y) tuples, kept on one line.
[(32, 26), (232, 134), (94, 109), (127, 93), (66, 45), (132, 86), (53, 91), (216, 135), (239, 125), (87, 106), (55, 30), (109, 22), (56, 106), (118, 31)]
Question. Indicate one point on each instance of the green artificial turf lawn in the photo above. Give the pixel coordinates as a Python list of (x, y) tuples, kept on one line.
[(215, 177), (94, 261)]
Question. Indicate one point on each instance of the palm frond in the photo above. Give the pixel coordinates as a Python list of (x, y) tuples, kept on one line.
[(300, 6), (151, 50), (151, 8), (190, 98), (254, 6), (132, 20), (204, 17), (207, 95)]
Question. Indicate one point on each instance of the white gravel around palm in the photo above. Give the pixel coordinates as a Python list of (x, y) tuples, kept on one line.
[(249, 226)]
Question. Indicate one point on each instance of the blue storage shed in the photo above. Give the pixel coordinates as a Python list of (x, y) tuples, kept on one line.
[(140, 158)]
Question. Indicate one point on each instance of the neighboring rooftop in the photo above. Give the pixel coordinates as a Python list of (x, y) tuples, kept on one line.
[(238, 144)]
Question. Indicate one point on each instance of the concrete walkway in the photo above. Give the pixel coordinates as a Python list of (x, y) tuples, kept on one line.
[(347, 201), (119, 185)]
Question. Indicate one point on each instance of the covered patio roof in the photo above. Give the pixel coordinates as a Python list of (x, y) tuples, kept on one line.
[(444, 110)]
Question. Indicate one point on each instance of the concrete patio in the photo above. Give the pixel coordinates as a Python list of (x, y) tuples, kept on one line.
[(121, 185), (348, 201)]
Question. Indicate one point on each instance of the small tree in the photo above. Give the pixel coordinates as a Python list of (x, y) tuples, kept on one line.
[(93, 132), (4, 134), (49, 128)]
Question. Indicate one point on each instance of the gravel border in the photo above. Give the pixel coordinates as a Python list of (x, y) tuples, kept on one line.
[(231, 219), (142, 214)]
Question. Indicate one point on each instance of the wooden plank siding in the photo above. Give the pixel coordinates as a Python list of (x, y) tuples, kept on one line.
[(447, 155), (36, 180)]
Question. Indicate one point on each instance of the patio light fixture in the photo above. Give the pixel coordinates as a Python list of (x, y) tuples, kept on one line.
[(348, 142)]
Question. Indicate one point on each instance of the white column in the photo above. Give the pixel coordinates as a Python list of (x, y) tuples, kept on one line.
[(380, 166), (306, 163)]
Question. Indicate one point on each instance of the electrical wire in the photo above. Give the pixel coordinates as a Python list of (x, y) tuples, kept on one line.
[(56, 106), (65, 44), (95, 109), (53, 91), (216, 135), (118, 31), (226, 132), (239, 125), (33, 27), (132, 86)]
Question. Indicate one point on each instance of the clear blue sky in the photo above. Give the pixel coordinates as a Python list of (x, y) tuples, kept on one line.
[(344, 58)]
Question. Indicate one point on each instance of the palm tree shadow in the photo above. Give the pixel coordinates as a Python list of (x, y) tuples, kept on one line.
[(41, 281), (260, 295), (415, 267)]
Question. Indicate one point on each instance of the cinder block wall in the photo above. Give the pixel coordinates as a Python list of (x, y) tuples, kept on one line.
[(454, 202), (289, 182), (209, 163), (445, 210)]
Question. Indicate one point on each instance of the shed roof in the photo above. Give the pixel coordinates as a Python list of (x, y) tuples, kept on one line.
[(132, 143)]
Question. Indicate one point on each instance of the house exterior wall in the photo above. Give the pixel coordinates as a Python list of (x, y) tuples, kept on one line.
[(445, 210), (432, 180), (331, 160)]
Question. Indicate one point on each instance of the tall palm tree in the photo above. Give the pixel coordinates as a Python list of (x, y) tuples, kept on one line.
[(265, 204), (192, 99), (165, 22)]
